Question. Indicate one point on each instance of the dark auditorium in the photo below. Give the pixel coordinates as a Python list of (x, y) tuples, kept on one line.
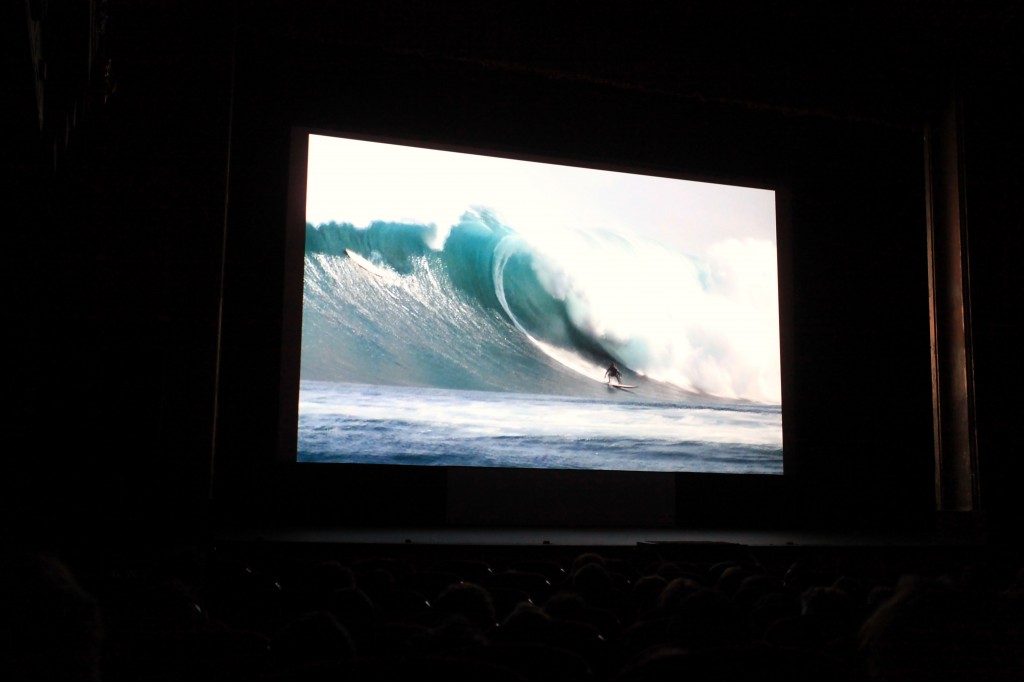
[(528, 342)]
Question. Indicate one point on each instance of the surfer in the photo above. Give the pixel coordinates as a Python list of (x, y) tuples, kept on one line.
[(613, 373)]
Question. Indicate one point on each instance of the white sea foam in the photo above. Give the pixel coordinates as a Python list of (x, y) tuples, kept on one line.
[(708, 325)]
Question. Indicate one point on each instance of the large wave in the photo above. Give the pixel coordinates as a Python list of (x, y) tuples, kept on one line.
[(484, 306)]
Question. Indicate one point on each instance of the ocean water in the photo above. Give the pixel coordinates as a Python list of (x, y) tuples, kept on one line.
[(485, 351), (360, 423)]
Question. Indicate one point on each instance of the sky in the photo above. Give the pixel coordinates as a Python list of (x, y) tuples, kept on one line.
[(358, 182)]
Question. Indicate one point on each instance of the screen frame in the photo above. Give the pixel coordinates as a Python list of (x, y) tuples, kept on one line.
[(522, 497), (864, 461)]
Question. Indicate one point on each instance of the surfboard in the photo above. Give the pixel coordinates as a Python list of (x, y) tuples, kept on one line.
[(623, 386)]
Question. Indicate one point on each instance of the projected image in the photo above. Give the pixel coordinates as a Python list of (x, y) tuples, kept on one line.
[(467, 310)]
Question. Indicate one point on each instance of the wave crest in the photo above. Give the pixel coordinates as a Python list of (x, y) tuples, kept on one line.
[(585, 296)]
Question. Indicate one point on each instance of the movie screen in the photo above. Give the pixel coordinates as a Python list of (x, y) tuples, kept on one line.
[(469, 310)]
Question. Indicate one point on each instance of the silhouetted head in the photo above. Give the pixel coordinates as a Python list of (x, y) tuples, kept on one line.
[(936, 630), (469, 600), (49, 626), (315, 636)]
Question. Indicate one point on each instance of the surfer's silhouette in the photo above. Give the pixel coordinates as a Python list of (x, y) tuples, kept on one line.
[(613, 373)]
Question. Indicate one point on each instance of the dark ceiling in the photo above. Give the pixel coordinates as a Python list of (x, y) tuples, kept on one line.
[(863, 60)]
